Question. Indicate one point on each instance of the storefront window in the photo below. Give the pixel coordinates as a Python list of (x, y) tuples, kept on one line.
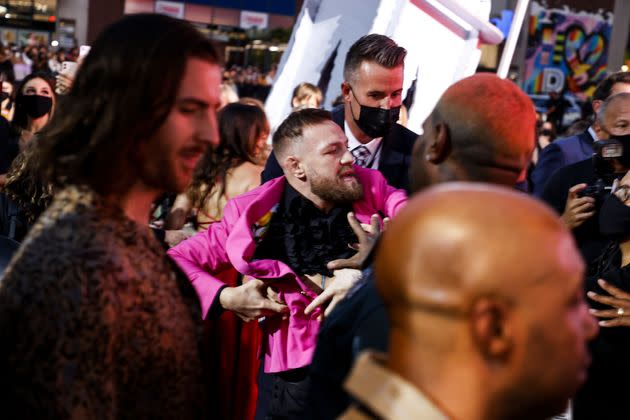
[(45, 10), (35, 14)]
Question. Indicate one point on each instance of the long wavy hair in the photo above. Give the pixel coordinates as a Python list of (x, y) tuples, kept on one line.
[(240, 127), (26, 186), (122, 93)]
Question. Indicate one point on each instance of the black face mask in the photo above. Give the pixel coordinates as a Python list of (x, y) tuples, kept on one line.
[(614, 218), (36, 106), (375, 122), (3, 96)]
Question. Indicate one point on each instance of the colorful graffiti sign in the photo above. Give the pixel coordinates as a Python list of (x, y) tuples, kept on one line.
[(566, 49)]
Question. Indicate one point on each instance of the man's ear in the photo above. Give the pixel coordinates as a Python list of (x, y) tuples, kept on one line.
[(294, 167), (597, 104), (491, 328), (439, 146), (599, 131), (345, 91)]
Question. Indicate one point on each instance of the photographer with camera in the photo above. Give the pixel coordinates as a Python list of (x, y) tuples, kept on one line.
[(596, 192), (572, 149), (577, 191), (608, 286)]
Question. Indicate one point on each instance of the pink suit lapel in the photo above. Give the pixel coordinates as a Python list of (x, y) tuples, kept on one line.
[(241, 242)]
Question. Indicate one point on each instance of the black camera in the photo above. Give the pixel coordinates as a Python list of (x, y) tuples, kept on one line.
[(611, 160), (598, 190)]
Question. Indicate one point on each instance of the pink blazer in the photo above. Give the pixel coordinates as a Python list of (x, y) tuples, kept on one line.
[(231, 243)]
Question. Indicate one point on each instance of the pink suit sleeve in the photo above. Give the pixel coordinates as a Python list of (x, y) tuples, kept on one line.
[(390, 200), (204, 255), (395, 199)]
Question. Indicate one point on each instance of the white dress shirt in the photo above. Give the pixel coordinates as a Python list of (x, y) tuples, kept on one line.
[(374, 146)]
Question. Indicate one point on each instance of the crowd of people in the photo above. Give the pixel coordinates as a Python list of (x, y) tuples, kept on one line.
[(249, 81), (17, 62), (161, 258)]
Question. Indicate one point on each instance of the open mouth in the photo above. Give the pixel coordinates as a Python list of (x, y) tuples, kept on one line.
[(191, 157), (349, 173)]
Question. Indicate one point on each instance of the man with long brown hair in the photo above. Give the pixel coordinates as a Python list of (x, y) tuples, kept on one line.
[(92, 319)]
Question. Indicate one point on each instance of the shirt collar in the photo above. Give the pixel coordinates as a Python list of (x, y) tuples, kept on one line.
[(385, 393), (593, 134), (353, 143)]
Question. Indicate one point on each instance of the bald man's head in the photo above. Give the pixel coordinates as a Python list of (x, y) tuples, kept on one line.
[(485, 276), (482, 129), (456, 234)]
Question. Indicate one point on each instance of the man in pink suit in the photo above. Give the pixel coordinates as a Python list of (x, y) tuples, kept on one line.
[(282, 235)]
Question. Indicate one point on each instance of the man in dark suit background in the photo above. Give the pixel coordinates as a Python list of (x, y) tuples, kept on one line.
[(372, 94), (563, 189), (573, 149), (596, 399)]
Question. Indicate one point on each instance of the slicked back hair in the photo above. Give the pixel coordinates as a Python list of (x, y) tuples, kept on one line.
[(376, 48)]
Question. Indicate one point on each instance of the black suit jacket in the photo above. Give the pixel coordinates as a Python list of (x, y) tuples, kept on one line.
[(558, 154), (358, 323), (9, 148), (393, 163)]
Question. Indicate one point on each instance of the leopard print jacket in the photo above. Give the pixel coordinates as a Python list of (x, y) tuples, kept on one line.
[(93, 322)]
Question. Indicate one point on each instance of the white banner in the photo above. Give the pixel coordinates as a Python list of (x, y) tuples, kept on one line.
[(170, 8), (441, 38), (254, 19)]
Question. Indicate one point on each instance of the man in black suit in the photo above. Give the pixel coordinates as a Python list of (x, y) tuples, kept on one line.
[(563, 190), (372, 94), (482, 130)]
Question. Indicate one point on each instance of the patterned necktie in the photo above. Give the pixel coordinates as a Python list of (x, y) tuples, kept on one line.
[(361, 155)]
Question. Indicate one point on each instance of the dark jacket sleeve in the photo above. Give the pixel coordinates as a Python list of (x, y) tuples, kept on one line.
[(556, 191), (9, 148), (358, 323), (272, 169), (551, 159)]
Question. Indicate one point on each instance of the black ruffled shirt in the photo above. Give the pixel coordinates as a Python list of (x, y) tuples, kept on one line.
[(304, 237)]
